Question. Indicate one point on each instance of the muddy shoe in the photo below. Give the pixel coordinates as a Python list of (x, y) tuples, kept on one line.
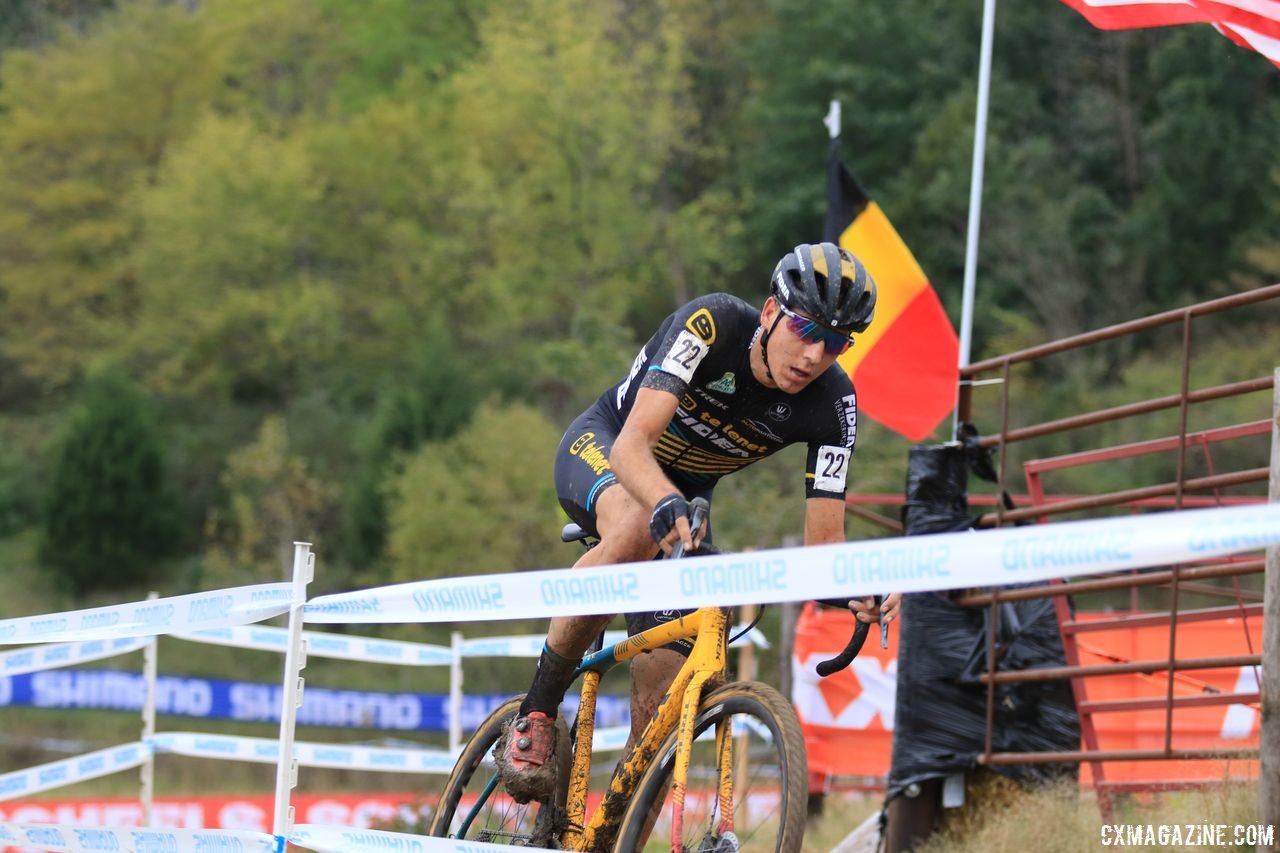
[(526, 757)]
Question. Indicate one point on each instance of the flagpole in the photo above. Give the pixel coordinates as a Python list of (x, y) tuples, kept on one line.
[(975, 184)]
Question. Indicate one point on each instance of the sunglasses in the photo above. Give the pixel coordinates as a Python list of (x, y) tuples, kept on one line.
[(812, 332)]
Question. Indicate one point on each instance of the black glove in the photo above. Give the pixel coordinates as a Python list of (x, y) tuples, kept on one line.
[(663, 520)]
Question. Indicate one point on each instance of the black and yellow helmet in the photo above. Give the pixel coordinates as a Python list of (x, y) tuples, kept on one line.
[(827, 283)]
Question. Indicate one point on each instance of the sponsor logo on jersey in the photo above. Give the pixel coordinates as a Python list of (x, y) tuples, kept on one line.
[(763, 429), (779, 412), (847, 410), (724, 385), (635, 369), (595, 455), (720, 434), (702, 325)]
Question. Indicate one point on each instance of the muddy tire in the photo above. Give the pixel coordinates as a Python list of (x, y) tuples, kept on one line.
[(771, 781)]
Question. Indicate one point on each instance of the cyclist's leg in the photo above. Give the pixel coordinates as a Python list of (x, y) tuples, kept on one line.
[(585, 485), (653, 672), (589, 493)]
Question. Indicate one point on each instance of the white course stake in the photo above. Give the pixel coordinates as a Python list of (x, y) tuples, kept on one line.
[(295, 658), (455, 693), (149, 674)]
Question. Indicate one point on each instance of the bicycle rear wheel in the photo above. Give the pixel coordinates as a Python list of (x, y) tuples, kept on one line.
[(474, 806), (770, 780)]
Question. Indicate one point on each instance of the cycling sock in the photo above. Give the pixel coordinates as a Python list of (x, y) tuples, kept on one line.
[(550, 683)]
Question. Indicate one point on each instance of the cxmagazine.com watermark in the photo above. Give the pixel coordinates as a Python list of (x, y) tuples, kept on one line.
[(1188, 835)]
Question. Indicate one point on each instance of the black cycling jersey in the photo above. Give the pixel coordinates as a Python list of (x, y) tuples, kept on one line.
[(726, 419)]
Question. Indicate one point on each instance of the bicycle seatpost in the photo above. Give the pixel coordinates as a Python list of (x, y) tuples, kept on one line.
[(701, 509)]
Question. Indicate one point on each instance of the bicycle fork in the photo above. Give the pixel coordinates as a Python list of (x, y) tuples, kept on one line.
[(581, 776), (708, 648)]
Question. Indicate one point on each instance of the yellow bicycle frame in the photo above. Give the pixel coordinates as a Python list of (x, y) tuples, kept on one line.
[(707, 627)]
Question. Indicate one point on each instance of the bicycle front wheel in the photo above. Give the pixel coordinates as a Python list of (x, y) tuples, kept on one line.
[(770, 780), (474, 806)]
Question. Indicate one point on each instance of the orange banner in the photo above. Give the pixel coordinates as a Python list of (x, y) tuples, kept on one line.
[(848, 718)]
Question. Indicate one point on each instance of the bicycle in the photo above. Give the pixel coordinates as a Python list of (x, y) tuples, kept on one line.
[(697, 759)]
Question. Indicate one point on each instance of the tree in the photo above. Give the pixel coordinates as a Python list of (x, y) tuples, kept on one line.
[(431, 407), (274, 500), (483, 501), (85, 120), (109, 513)]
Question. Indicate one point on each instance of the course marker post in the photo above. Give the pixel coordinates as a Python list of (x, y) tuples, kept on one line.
[(149, 676), (455, 693), (295, 659)]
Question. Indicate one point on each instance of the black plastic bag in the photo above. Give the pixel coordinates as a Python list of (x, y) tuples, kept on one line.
[(940, 714)]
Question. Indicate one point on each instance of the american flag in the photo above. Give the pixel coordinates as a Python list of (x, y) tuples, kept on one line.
[(1254, 24)]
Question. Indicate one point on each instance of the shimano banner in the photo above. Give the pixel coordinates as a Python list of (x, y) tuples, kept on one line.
[(250, 702)]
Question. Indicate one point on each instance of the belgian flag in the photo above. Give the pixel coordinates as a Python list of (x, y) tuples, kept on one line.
[(906, 365)]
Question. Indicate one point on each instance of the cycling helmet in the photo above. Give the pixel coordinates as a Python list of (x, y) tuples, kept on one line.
[(805, 280)]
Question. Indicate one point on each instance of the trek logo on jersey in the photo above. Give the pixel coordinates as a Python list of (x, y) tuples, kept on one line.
[(702, 325), (724, 385), (847, 408), (595, 455), (779, 412)]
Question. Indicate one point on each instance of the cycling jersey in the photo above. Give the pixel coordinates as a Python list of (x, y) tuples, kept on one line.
[(725, 419)]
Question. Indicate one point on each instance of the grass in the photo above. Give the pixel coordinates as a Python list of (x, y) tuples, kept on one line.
[(1063, 819), (1001, 816)]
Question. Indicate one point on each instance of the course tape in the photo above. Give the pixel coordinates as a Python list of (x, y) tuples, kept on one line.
[(55, 655), (336, 839), (374, 650), (85, 839), (341, 756), (976, 558), (235, 606), (530, 645), (320, 644), (56, 774)]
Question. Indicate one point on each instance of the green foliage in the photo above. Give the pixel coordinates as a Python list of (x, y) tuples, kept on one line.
[(229, 307), (573, 119), (317, 229), (109, 512), (431, 407), (85, 119), (274, 500), (484, 501)]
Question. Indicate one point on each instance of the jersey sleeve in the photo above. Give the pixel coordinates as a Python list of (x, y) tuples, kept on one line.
[(830, 455), (689, 338)]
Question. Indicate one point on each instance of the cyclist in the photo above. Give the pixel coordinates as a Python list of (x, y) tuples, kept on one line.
[(720, 385)]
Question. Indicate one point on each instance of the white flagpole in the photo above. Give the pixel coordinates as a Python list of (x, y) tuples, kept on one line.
[(975, 183), (832, 121)]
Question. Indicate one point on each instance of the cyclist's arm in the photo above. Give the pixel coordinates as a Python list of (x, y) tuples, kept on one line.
[(633, 460), (823, 524)]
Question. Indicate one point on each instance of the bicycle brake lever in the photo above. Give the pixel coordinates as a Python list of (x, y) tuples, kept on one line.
[(700, 510)]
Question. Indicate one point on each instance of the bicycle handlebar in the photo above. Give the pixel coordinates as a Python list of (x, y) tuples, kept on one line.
[(856, 640), (700, 510), (842, 660)]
